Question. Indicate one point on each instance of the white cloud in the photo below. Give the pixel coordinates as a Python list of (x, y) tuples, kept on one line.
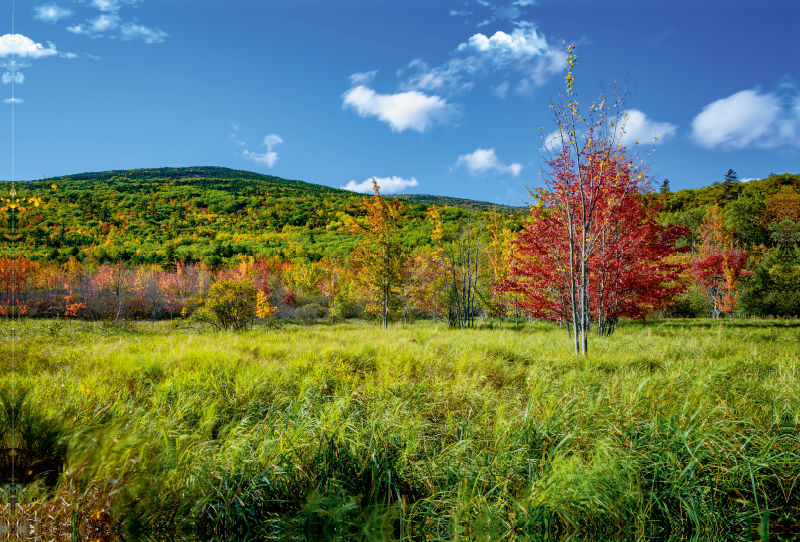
[(501, 12), (446, 78), (268, 158), (109, 20), (104, 23), (638, 128), (13, 101), (271, 140), (132, 31), (51, 13), (17, 78), (525, 51), (553, 141), (67, 55), (78, 29), (521, 43), (24, 47), (538, 73), (111, 6), (402, 111), (362, 78), (749, 119), (461, 13), (92, 57), (484, 160), (388, 185)]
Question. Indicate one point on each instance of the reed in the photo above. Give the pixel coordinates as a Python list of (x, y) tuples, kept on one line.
[(669, 429)]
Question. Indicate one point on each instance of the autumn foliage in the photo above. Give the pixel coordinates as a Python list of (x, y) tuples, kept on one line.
[(628, 273), (719, 265)]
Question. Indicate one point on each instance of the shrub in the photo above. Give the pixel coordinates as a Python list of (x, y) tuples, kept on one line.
[(229, 305)]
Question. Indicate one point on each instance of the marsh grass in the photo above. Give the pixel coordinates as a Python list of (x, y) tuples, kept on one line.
[(670, 429)]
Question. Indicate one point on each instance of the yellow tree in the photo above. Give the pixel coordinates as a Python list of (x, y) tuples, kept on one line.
[(381, 258), (499, 252)]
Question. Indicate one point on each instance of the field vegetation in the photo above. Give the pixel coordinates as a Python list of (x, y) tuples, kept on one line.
[(670, 429)]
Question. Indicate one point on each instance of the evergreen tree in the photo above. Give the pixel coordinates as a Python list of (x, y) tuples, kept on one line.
[(730, 179), (169, 258)]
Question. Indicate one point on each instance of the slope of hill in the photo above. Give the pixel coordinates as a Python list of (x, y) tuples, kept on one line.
[(200, 213), (215, 214), (445, 201)]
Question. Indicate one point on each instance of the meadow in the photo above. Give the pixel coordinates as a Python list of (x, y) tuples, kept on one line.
[(667, 430)]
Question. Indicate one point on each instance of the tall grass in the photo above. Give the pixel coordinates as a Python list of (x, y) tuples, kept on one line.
[(667, 430)]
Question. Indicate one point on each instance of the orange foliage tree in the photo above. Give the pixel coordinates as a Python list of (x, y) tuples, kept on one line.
[(380, 260), (719, 265)]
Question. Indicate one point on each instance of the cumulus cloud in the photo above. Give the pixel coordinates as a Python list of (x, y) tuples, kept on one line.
[(17, 78), (24, 47), (501, 47), (638, 128), (13, 101), (131, 31), (412, 110), (388, 185), (51, 13), (750, 119), (268, 158), (483, 160), (524, 50)]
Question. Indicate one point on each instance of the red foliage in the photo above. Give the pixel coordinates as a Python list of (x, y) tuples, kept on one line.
[(719, 264), (625, 249)]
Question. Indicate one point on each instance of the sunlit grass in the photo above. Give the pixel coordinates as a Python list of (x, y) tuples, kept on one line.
[(670, 428)]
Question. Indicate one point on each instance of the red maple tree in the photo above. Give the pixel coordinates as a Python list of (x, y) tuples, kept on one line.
[(622, 249)]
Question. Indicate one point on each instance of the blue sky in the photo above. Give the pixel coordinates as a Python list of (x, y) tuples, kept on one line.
[(434, 96)]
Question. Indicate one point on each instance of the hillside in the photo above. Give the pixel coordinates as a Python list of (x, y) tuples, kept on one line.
[(445, 201), (201, 213), (746, 206), (215, 214)]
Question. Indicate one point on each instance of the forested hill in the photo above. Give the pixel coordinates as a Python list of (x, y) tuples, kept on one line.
[(721, 193), (216, 214), (206, 214), (748, 207), (445, 201)]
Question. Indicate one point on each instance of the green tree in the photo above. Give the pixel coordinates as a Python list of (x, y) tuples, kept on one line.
[(730, 179)]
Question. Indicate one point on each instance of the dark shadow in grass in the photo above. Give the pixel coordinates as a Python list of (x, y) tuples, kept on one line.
[(32, 446)]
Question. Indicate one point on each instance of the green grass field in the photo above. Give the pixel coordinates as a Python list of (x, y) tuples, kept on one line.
[(672, 429)]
